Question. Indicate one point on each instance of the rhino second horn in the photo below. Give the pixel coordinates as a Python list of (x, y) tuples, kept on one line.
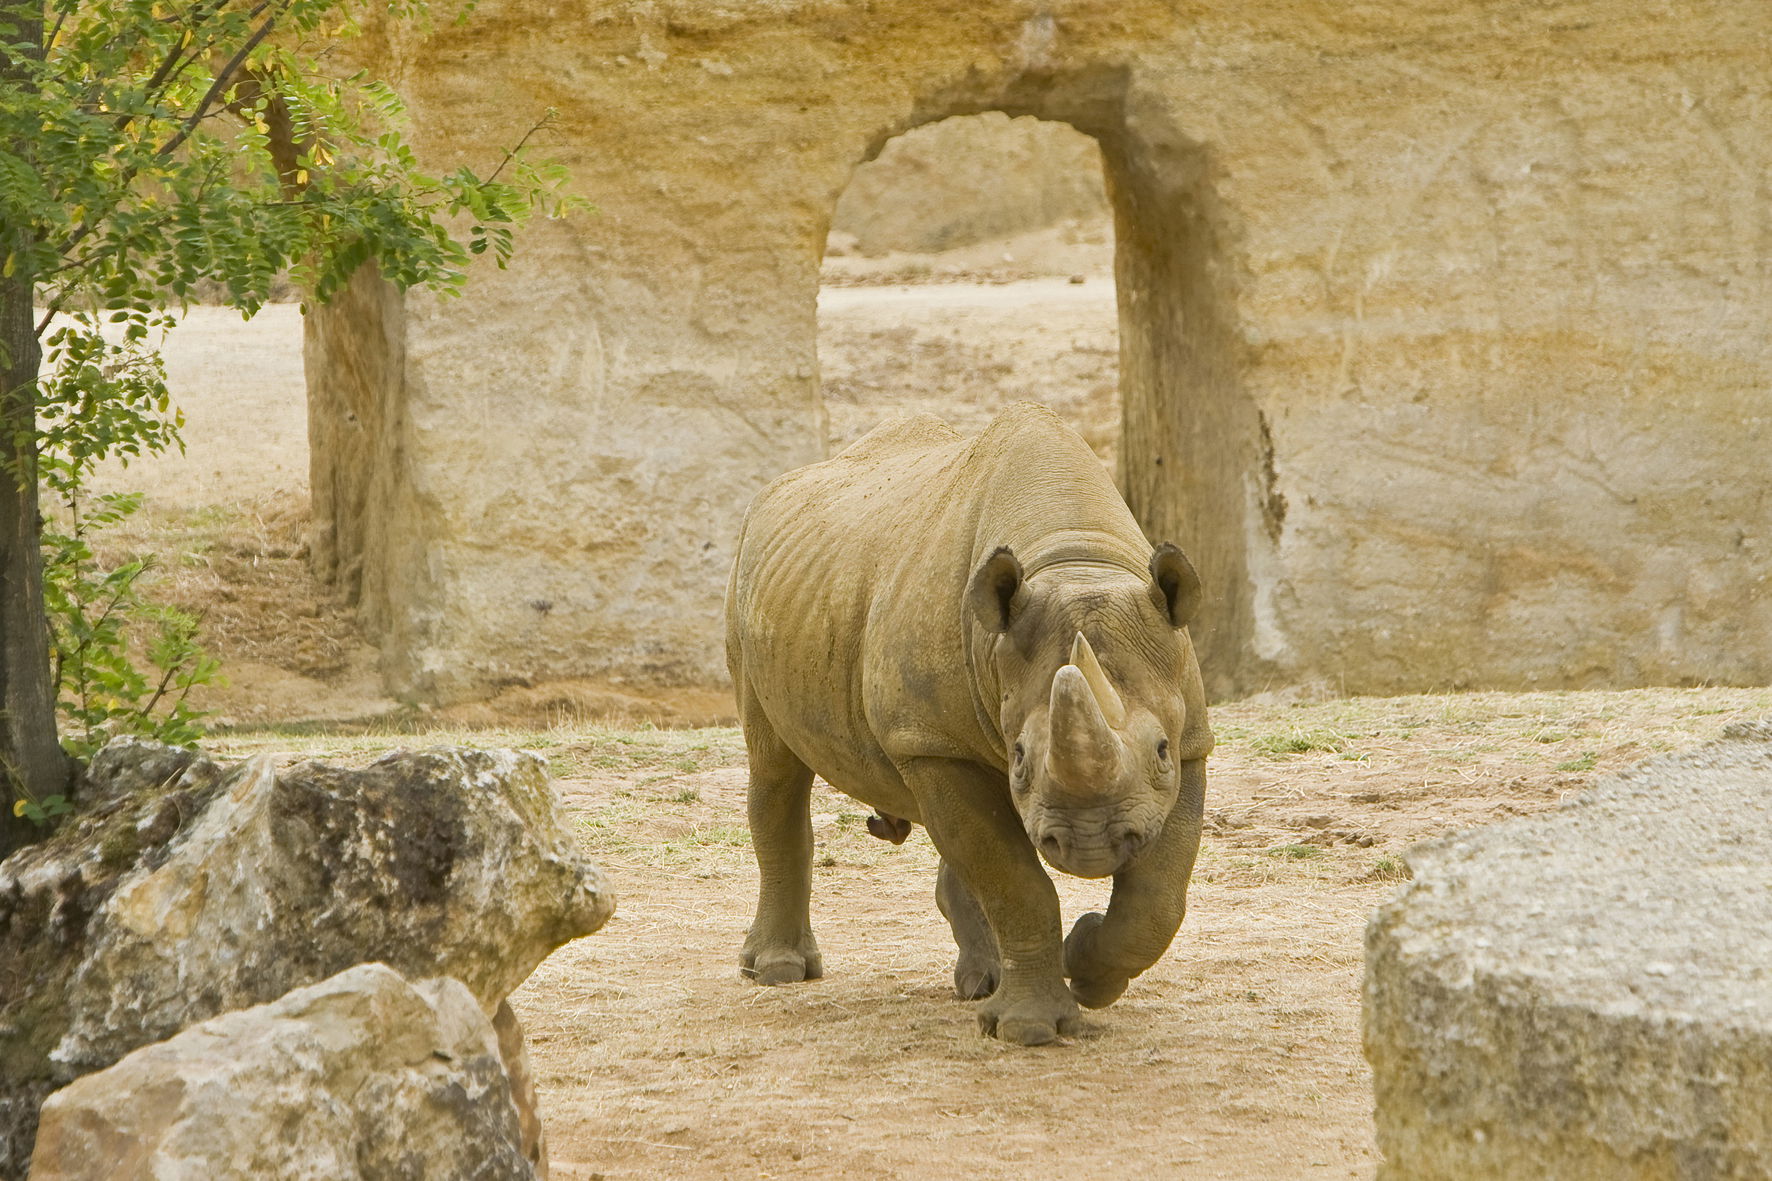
[(1083, 752), (1112, 708)]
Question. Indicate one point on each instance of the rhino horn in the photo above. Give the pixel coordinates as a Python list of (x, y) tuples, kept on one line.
[(1084, 752), (1112, 708)]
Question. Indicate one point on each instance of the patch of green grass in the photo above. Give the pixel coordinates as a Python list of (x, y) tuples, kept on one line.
[(1297, 740), (1388, 869), (591, 749), (696, 845), (1294, 852), (610, 828), (1584, 763), (688, 795)]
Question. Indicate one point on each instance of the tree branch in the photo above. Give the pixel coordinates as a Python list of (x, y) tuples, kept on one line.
[(172, 67), (512, 154), (55, 31), (200, 112), (224, 76)]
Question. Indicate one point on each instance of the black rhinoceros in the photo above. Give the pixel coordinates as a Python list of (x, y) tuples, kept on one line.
[(975, 635)]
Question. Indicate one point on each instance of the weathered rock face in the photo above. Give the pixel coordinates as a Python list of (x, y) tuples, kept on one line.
[(217, 890), (136, 799), (1586, 994), (513, 1050), (1444, 326), (969, 180), (362, 1077)]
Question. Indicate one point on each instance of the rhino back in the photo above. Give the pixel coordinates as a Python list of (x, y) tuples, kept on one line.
[(845, 611)]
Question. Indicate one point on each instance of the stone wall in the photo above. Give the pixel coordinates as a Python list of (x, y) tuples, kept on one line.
[(1444, 325)]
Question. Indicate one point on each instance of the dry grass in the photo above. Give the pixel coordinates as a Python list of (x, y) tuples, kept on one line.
[(242, 567)]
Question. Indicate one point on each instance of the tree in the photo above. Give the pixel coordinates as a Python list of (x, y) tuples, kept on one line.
[(147, 146)]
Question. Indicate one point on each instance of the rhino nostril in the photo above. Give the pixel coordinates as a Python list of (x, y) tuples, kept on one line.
[(1130, 843), (1051, 846)]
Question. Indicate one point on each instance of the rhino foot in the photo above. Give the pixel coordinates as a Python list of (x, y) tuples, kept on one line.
[(1033, 1018), (1092, 988), (782, 965), (975, 980), (1098, 994)]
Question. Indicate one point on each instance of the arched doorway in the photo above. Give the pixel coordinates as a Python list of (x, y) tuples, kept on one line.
[(1070, 258), (968, 266)]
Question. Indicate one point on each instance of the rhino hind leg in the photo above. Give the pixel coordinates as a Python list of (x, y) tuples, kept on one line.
[(779, 947), (980, 966)]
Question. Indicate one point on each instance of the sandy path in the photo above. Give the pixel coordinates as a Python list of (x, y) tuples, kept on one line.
[(1237, 1056), (239, 384), (1092, 296)]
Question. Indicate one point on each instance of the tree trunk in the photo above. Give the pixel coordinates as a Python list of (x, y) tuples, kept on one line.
[(32, 765)]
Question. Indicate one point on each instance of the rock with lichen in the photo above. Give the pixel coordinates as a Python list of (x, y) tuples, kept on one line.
[(184, 890)]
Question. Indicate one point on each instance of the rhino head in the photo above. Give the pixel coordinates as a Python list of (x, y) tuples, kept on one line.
[(1091, 668)]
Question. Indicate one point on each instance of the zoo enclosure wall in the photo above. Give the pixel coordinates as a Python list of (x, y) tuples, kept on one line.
[(1444, 327)]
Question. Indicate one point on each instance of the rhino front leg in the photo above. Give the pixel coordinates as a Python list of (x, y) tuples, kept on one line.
[(975, 977), (1104, 952), (976, 831), (779, 948)]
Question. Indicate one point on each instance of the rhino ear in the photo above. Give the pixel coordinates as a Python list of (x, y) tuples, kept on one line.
[(996, 594), (1174, 585)]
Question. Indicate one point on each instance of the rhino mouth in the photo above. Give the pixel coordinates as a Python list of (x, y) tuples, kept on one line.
[(1097, 855)]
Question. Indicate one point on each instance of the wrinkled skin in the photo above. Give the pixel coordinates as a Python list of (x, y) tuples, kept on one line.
[(974, 635)]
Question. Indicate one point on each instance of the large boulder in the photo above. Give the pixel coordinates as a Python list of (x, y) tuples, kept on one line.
[(186, 890), (363, 1077), (1588, 993)]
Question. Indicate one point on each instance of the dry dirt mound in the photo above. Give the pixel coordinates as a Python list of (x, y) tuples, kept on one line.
[(970, 180)]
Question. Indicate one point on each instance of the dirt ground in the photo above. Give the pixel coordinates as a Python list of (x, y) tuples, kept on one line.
[(1237, 1056)]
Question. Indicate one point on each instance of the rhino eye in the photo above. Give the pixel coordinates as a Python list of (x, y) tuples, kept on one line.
[(1020, 754), (1162, 748)]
